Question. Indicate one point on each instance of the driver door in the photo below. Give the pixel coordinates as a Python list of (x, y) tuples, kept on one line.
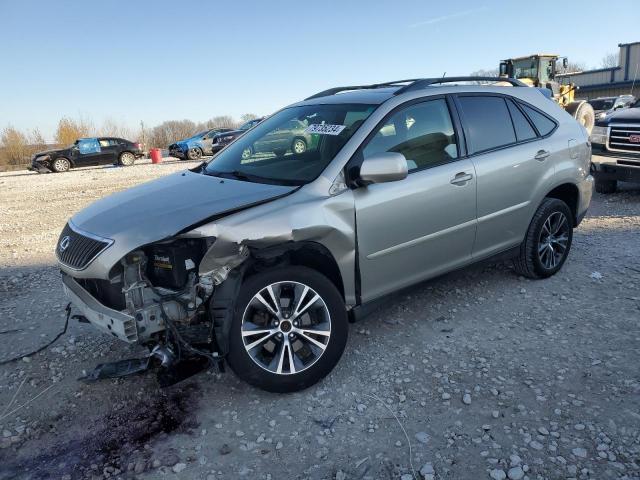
[(424, 225), (89, 152)]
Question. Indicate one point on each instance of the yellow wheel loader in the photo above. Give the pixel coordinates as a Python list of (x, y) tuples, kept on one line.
[(540, 71)]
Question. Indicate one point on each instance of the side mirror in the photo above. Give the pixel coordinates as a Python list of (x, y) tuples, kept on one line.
[(565, 62), (384, 167)]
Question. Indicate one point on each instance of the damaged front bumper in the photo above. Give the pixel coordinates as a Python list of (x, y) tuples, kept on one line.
[(119, 324)]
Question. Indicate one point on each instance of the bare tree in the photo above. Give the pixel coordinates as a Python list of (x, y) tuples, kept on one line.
[(491, 72), (610, 60), (572, 67), (111, 128), (171, 131), (15, 146), (245, 117), (222, 121), (69, 130), (37, 141)]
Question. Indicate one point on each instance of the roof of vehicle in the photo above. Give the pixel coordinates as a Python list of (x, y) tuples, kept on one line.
[(376, 94)]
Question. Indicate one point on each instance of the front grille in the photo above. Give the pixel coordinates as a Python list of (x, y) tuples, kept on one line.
[(621, 136), (77, 250)]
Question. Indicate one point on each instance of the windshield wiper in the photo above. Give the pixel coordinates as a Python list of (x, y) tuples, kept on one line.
[(248, 177)]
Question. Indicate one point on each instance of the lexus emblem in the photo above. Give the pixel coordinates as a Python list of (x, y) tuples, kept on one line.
[(64, 243), (634, 138)]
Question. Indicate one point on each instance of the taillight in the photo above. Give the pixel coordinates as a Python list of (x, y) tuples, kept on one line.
[(138, 146)]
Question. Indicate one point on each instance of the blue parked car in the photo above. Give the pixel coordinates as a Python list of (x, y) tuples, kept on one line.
[(203, 143)]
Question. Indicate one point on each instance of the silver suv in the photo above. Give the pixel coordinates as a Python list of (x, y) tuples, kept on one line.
[(262, 258)]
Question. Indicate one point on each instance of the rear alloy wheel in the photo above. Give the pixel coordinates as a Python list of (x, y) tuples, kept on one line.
[(299, 146), (289, 329), (127, 159), (548, 240), (194, 153), (61, 165)]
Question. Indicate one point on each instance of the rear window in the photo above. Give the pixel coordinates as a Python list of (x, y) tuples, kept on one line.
[(543, 123), (487, 122)]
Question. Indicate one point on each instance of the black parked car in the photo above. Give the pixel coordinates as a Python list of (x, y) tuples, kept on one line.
[(86, 152)]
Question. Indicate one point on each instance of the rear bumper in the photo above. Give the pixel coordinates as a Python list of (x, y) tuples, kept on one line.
[(585, 188), (113, 322)]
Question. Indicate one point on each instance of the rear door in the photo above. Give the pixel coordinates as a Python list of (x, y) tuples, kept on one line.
[(110, 150), (423, 225), (512, 165)]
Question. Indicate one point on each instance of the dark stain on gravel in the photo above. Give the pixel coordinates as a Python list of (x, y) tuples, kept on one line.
[(111, 444)]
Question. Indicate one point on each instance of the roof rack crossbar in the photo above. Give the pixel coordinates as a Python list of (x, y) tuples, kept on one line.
[(333, 91), (425, 82)]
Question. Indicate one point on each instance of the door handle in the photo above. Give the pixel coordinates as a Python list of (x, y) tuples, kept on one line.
[(461, 178), (541, 155)]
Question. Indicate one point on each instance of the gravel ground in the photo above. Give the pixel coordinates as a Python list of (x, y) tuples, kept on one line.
[(477, 374)]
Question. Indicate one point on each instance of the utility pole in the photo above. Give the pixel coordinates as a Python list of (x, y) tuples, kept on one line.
[(142, 130)]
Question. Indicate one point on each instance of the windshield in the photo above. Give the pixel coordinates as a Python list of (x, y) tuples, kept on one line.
[(525, 68), (602, 104), (292, 147)]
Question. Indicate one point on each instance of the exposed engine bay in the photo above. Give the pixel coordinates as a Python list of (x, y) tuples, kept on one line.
[(165, 299)]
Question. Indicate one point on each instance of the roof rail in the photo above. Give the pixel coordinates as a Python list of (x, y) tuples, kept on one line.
[(333, 91), (426, 82), (416, 84)]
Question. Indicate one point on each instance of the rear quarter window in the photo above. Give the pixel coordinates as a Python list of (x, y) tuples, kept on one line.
[(487, 122), (524, 130), (543, 124)]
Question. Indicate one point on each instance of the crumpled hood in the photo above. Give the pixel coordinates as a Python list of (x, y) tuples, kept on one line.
[(161, 208), (49, 152)]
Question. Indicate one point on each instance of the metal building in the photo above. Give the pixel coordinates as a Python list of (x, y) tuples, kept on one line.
[(608, 82)]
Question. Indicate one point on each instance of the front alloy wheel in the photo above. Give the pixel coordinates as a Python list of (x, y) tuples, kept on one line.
[(289, 330), (194, 153), (61, 165), (286, 327)]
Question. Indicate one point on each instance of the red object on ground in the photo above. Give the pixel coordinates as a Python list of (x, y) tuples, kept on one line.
[(156, 155)]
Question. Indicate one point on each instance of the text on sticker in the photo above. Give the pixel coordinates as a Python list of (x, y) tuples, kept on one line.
[(325, 129)]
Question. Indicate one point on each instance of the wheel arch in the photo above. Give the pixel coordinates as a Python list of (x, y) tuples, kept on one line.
[(569, 194), (305, 253), (302, 253)]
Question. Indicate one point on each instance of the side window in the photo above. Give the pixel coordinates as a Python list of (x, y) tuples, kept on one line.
[(524, 130), (107, 142), (88, 145), (487, 122), (544, 124), (422, 132)]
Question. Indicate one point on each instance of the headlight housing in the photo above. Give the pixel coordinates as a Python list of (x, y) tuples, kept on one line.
[(599, 135)]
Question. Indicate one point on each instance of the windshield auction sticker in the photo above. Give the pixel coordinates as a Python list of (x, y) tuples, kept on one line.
[(325, 129)]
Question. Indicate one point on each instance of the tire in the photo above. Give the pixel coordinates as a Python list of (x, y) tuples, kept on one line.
[(586, 116), (605, 186), (127, 159), (61, 165), (535, 260), (194, 153), (298, 146), (268, 366)]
